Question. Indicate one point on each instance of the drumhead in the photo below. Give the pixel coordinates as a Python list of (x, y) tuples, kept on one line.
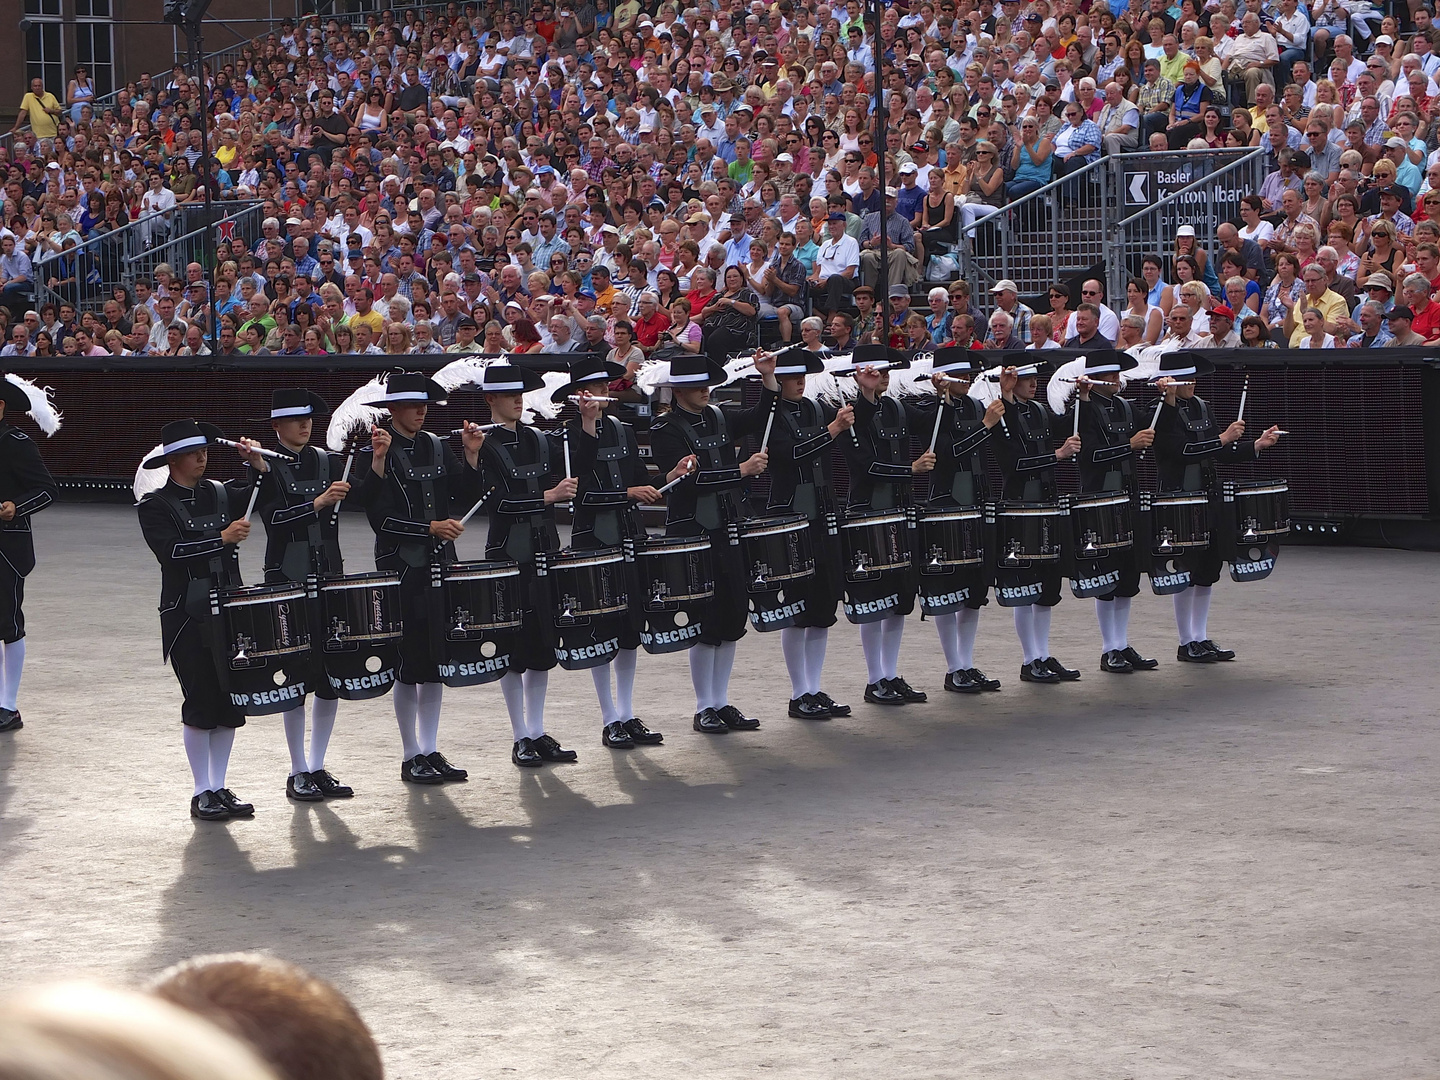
[(479, 571), (574, 560), (1180, 500), (359, 581), (1028, 510), (260, 594), (1098, 499), (666, 545), (1264, 487), (950, 515), (772, 526), (881, 517)]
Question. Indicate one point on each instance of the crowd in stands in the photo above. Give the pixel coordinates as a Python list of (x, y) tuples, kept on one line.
[(648, 180)]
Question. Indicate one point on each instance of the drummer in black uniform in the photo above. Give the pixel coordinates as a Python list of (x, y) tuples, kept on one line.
[(412, 487), (26, 488), (698, 439), (1027, 462), (298, 496), (953, 600), (612, 478), (193, 526), (881, 472), (1188, 444), (800, 483), (1110, 437), (525, 467)]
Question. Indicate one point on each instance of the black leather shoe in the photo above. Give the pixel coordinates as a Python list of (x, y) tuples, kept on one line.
[(836, 708), (1138, 662), (1036, 671), (444, 768), (207, 807), (880, 693), (616, 737), (1194, 653), (1066, 674), (330, 787), (908, 692), (735, 720), (960, 682), (1115, 663), (302, 788), (806, 707), (10, 720), (550, 749), (524, 754), (709, 722), (418, 770), (234, 806), (1217, 652), (982, 680), (641, 734)]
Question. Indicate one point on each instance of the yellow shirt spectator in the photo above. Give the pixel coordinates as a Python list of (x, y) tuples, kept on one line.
[(41, 107), (1331, 305), (371, 318)]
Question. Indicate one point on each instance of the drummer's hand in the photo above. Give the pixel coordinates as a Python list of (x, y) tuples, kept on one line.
[(1264, 442), (235, 531), (589, 408), (765, 363), (1069, 448), (940, 381), (471, 435), (868, 379), (449, 529), (844, 420), (683, 467), (1233, 433), (249, 451), (924, 463), (755, 464), (1008, 379), (993, 412), (564, 491), (379, 442), (645, 493), (332, 495), (7, 511), (1142, 439)]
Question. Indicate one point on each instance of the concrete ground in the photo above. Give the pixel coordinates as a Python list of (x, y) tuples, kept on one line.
[(1208, 872)]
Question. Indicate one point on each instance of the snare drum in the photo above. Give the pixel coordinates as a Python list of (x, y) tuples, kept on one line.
[(481, 605), (1262, 510), (358, 642), (875, 542), (1179, 522), (1028, 532), (776, 550), (677, 581), (951, 539), (1101, 523), (264, 646), (588, 584)]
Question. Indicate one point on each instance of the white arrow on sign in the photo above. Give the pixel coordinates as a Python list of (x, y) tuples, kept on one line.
[(1136, 189)]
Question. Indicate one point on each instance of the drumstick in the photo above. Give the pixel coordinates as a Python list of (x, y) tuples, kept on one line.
[(254, 494), (672, 483), (939, 412), (256, 449), (765, 439), (344, 477), (471, 512), (1156, 418), (1076, 432), (1240, 418)]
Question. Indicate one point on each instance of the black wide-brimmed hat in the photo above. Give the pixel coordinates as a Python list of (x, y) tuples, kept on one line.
[(508, 379), (955, 360), (695, 370), (181, 437), (294, 404), (876, 356), (1108, 361), (589, 375), (797, 361), (411, 388), (1179, 365), (15, 399)]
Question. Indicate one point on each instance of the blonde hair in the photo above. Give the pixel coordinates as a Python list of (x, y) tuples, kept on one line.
[(82, 1031)]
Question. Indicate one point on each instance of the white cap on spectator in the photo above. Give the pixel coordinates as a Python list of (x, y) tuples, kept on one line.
[(1396, 143), (1185, 230), (1384, 39), (1004, 285)]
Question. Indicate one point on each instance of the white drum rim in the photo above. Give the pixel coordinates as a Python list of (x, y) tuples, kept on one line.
[(773, 530), (879, 519), (659, 545), (1030, 511), (376, 581), (567, 562), (229, 600), (1267, 489), (1110, 500), (480, 575), (951, 515), (1180, 500)]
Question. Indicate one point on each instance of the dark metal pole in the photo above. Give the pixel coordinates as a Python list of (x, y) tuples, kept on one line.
[(883, 282), (208, 246)]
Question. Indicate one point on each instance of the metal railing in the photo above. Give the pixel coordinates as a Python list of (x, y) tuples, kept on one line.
[(104, 262), (1200, 188), (1039, 237)]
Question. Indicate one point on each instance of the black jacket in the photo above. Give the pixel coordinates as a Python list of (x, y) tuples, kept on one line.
[(424, 481), (799, 451), (710, 498), (1187, 446), (521, 465), (606, 464), (298, 541), (959, 470), (877, 452), (25, 481), (1106, 461), (1027, 456)]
